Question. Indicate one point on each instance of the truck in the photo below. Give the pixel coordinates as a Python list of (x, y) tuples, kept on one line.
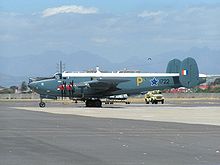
[(154, 97)]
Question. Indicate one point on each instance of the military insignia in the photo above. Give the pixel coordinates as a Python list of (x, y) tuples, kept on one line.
[(139, 80), (154, 82)]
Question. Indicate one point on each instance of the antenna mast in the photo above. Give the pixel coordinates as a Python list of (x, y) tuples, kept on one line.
[(60, 67)]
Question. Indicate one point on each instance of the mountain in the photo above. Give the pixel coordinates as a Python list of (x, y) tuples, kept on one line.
[(7, 80), (14, 70), (207, 59), (45, 64)]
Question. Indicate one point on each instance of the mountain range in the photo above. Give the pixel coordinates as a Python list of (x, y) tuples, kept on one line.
[(14, 70)]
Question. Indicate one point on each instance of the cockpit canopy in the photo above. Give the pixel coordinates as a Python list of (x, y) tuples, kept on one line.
[(55, 76), (58, 76)]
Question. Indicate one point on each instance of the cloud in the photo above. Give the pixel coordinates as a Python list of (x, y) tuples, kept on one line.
[(69, 9), (99, 40), (110, 34), (7, 38), (150, 14)]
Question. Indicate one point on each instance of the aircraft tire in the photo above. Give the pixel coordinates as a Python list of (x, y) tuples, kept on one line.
[(42, 104), (97, 103), (89, 103), (93, 103)]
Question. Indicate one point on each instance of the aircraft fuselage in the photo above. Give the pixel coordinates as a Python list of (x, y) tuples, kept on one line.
[(133, 83)]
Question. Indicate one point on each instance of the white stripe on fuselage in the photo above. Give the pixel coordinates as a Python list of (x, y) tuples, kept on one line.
[(98, 74)]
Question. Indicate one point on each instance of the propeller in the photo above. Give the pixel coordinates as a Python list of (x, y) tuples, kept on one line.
[(64, 89), (61, 88), (69, 89)]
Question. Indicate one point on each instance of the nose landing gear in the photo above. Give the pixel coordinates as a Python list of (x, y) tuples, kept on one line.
[(42, 104)]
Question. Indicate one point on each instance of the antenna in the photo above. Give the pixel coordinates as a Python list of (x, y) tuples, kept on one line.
[(60, 67)]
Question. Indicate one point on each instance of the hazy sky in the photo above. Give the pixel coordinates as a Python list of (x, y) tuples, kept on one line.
[(115, 29)]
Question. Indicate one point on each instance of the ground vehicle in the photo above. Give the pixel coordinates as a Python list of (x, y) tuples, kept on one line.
[(154, 97)]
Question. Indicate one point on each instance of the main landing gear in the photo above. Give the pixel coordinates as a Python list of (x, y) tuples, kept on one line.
[(93, 103)]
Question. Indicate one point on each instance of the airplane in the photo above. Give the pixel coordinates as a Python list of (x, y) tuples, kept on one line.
[(92, 87)]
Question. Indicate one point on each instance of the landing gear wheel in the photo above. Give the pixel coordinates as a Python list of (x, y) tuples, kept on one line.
[(97, 103), (93, 103), (88, 103), (42, 104)]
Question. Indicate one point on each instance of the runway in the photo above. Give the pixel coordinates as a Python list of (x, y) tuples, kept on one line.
[(57, 136)]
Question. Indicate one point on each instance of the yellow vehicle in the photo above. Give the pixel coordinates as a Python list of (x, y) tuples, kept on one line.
[(154, 97)]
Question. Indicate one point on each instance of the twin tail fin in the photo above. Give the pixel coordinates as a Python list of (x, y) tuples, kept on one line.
[(187, 69)]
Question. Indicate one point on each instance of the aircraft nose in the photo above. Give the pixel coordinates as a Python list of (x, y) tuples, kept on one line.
[(33, 86)]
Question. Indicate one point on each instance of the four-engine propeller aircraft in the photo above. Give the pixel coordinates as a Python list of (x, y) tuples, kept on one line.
[(91, 87)]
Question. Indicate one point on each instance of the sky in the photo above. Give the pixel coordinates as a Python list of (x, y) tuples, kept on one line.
[(116, 30)]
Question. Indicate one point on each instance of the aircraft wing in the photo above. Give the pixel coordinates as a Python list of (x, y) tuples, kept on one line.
[(102, 84)]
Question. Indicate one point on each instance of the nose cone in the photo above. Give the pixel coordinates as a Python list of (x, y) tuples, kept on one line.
[(32, 86)]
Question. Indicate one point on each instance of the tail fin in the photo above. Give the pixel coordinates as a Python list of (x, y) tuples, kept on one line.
[(189, 73), (173, 66)]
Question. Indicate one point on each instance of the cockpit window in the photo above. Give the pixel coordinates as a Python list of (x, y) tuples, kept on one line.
[(58, 76)]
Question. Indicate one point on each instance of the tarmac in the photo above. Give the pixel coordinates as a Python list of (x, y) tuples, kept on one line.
[(180, 132)]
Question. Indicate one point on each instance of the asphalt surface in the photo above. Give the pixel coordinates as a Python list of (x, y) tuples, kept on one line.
[(34, 138)]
